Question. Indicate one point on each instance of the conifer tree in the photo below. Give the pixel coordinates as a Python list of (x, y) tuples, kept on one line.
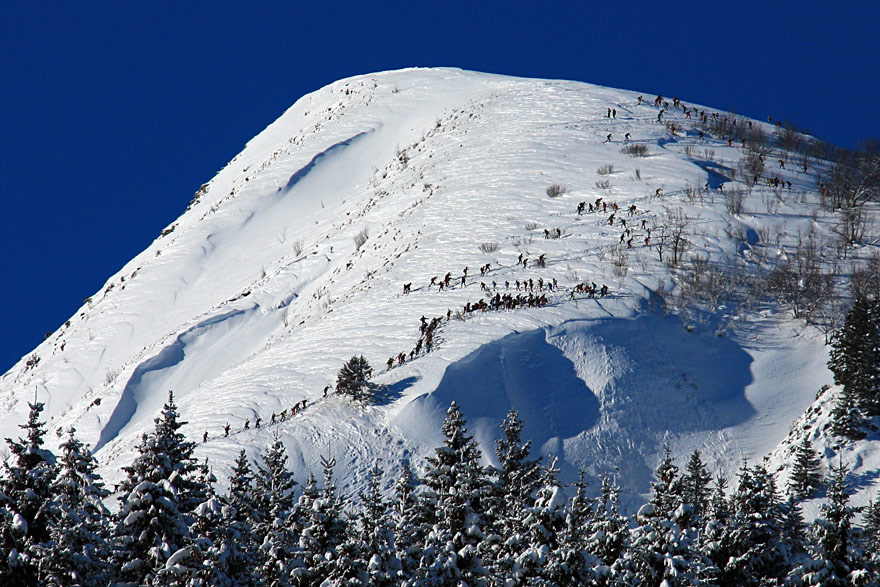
[(539, 559), (367, 556), (871, 526), (79, 547), (518, 476), (157, 498), (236, 544), (846, 417), (353, 379), (805, 475), (834, 527), (25, 493), (273, 499), (518, 479), (752, 547), (241, 495), (323, 526), (569, 561), (719, 504), (837, 558), (855, 354), (457, 488), (794, 530), (410, 519), (695, 484), (607, 530), (667, 487), (663, 547)]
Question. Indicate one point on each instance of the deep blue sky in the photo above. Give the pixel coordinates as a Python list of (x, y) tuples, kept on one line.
[(113, 115)]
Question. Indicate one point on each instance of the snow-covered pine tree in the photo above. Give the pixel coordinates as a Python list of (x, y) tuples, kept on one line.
[(847, 419), (751, 548), (695, 484), (324, 528), (410, 519), (157, 497), (26, 497), (838, 559), (855, 354), (353, 379), (519, 477), (227, 555), (570, 562), (456, 490), (517, 481), (719, 504), (368, 556), (78, 551), (871, 528), (538, 559), (238, 549), (667, 487), (607, 532), (273, 504), (794, 530), (805, 474), (664, 547)]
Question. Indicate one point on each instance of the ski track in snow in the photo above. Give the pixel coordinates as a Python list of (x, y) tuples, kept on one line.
[(254, 298)]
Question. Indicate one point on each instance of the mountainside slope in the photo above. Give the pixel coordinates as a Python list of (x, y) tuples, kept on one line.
[(294, 257)]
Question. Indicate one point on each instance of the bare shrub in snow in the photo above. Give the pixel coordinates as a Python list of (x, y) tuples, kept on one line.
[(692, 193), (676, 224), (111, 376), (361, 237), (556, 190), (752, 167), (603, 184), (638, 173), (606, 169), (789, 138), (801, 282), (851, 227), (531, 225), (865, 281), (734, 199), (620, 262), (488, 247), (298, 247), (771, 203), (636, 150)]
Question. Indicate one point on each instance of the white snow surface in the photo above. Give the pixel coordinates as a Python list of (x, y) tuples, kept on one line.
[(253, 299)]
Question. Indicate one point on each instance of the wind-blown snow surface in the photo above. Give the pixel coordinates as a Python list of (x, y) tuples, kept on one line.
[(254, 298)]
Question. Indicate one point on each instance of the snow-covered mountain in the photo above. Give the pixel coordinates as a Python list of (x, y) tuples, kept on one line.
[(294, 257)]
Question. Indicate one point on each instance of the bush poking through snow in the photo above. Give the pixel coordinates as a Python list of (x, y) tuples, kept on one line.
[(603, 184), (620, 262), (734, 199), (360, 238), (607, 169), (556, 190), (636, 150), (488, 247)]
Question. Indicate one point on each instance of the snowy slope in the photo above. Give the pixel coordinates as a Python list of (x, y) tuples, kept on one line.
[(254, 298)]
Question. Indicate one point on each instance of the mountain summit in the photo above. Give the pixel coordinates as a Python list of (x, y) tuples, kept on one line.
[(454, 225)]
